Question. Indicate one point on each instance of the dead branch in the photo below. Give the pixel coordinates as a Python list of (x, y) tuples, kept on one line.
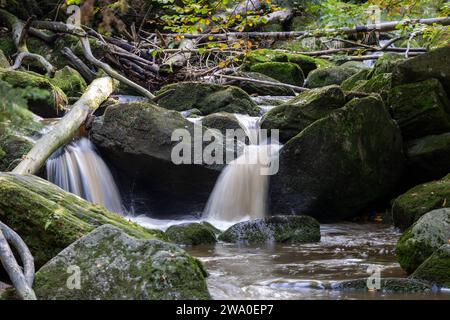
[(78, 64), (97, 92)]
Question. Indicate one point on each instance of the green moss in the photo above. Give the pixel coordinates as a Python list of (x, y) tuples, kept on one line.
[(390, 285), (285, 72), (350, 83), (421, 108), (381, 83), (49, 219), (328, 76), (261, 89), (410, 206), (436, 269), (191, 234), (14, 147), (425, 236), (295, 115), (385, 64), (207, 97), (70, 81), (4, 63)]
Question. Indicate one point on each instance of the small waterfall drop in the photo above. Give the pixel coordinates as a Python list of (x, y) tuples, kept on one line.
[(241, 190), (77, 168)]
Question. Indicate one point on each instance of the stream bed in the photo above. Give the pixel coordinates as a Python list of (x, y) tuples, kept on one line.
[(300, 271)]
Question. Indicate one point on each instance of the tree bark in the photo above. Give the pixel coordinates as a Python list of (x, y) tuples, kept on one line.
[(97, 92)]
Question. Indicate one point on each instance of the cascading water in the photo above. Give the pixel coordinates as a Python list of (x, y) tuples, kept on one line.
[(77, 168), (241, 190)]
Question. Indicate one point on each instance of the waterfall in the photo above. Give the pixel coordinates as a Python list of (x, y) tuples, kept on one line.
[(241, 190), (77, 168)]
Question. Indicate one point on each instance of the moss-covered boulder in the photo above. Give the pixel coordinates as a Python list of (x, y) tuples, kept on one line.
[(14, 146), (385, 64), (328, 76), (380, 83), (206, 97), (436, 269), (306, 63), (221, 121), (191, 234), (49, 218), (279, 229), (262, 89), (413, 204), (70, 81), (421, 108), (295, 115), (350, 83), (424, 237), (114, 266), (428, 158), (285, 72), (44, 98), (387, 285), (339, 164), (4, 63), (434, 64)]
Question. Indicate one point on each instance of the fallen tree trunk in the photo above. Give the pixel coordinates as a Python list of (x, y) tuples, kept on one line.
[(97, 92), (380, 27)]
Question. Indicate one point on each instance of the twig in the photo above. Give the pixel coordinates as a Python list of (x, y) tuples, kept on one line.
[(277, 84)]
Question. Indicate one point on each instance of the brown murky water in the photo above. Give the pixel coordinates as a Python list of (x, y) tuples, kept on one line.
[(300, 271)]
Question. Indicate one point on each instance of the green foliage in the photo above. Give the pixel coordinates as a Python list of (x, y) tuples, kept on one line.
[(13, 103)]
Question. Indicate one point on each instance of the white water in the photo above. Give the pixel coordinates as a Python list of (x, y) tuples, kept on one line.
[(241, 190), (80, 170)]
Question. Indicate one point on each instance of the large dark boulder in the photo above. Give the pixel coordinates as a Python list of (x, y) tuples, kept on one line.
[(49, 218), (191, 234), (339, 164), (413, 204), (115, 266), (285, 72), (434, 64), (207, 97), (421, 108), (279, 229), (423, 238), (428, 158), (295, 115), (328, 76), (136, 140), (436, 269)]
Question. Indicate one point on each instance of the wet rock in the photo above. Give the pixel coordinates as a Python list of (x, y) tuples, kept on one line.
[(380, 83), (43, 97), (191, 113), (285, 72), (421, 108), (397, 285), (280, 229), (339, 164), (424, 237), (49, 218), (410, 206), (211, 227), (434, 64), (385, 64), (295, 115), (207, 97), (191, 234), (115, 266), (70, 81), (13, 147), (221, 121), (436, 269), (328, 76), (428, 158)]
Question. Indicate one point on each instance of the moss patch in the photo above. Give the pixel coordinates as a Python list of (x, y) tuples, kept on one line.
[(285, 72)]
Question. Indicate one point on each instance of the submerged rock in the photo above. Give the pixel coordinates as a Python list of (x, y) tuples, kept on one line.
[(191, 234), (397, 285), (280, 229), (425, 236), (434, 64), (436, 269), (328, 76), (295, 115), (410, 206), (421, 108), (428, 158), (262, 89), (115, 266), (206, 97), (285, 72), (49, 218), (339, 164)]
